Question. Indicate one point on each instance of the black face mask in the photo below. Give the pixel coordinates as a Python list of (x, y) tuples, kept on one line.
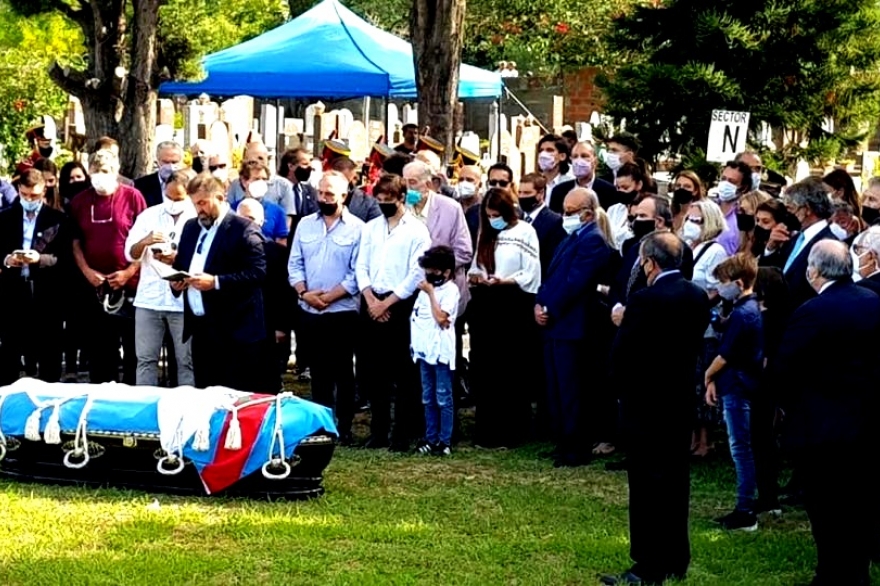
[(199, 164), (642, 228), (302, 174), (682, 197), (762, 235), (528, 203), (389, 210), (435, 279), (327, 209), (745, 222), (626, 197), (870, 215), (45, 152)]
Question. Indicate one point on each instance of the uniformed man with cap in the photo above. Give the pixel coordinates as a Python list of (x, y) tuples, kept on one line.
[(378, 156), (334, 149), (426, 143), (42, 143)]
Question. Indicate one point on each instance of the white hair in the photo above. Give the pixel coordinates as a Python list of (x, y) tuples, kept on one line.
[(252, 208), (870, 239), (420, 169), (168, 144), (431, 159)]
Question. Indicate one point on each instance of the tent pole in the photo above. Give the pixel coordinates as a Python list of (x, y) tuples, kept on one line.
[(366, 117), (280, 147), (386, 104)]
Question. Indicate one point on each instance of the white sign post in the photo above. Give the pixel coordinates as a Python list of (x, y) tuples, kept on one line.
[(727, 135)]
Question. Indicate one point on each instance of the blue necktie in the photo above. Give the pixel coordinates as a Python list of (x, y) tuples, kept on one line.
[(798, 245)]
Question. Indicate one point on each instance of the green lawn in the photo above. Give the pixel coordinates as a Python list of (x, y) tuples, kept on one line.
[(476, 518)]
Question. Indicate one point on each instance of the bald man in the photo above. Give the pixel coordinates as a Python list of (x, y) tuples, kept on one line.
[(656, 401), (280, 190), (569, 311), (827, 372)]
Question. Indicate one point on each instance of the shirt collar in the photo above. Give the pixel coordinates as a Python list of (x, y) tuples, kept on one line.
[(824, 287), (534, 213), (666, 274), (813, 231)]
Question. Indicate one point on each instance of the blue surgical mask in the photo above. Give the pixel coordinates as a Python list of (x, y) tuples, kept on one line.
[(756, 181), (498, 223), (727, 191), (31, 207), (413, 197)]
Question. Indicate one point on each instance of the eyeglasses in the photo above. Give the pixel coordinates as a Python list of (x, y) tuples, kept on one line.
[(498, 183), (213, 168)]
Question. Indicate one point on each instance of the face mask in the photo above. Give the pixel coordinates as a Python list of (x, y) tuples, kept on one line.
[(626, 197), (465, 190), (546, 161), (166, 170), (571, 223), (857, 262), (527, 204), (328, 209), (435, 279), (870, 215), (745, 222), (199, 164), (761, 234), (729, 291), (691, 231), (413, 197), (498, 223), (174, 208), (839, 232), (220, 174), (613, 161), (642, 227), (756, 181), (727, 191), (302, 174), (31, 207), (45, 152), (581, 168), (257, 189), (682, 197), (389, 210), (104, 183)]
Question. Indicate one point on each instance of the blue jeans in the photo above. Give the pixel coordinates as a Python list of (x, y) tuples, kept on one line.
[(437, 399), (737, 416)]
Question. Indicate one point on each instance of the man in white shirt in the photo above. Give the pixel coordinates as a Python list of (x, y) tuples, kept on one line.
[(388, 273), (153, 240)]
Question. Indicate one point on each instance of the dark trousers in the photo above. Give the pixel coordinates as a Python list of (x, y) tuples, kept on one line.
[(659, 496), (30, 330), (105, 332), (332, 365), (840, 501), (303, 356), (388, 373), (765, 447), (225, 362), (566, 380)]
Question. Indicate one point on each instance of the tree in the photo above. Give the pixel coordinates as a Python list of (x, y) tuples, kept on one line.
[(436, 31), (130, 47), (794, 64)]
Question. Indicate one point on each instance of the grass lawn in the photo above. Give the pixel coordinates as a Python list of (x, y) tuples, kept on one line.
[(479, 517)]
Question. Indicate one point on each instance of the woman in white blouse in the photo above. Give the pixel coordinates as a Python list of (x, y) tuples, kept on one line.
[(703, 224), (504, 282)]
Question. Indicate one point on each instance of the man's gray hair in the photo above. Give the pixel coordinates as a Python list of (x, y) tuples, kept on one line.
[(811, 193), (870, 239), (831, 259), (104, 162), (421, 169), (168, 144)]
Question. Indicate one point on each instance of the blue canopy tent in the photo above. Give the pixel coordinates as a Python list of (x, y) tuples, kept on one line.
[(327, 52)]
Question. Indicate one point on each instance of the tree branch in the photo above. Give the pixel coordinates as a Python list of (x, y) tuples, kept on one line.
[(72, 82)]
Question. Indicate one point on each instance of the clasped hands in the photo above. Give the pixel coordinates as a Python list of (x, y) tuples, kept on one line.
[(320, 300)]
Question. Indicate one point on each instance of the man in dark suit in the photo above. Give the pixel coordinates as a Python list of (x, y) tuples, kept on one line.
[(223, 310), (656, 405), (584, 165), (809, 200), (169, 155), (295, 166), (830, 400), (568, 309), (30, 281), (547, 223)]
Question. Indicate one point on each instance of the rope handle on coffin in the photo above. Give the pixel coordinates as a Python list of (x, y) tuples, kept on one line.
[(80, 440), (277, 439), (233, 433)]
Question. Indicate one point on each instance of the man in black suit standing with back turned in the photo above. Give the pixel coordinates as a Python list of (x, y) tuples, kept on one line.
[(223, 309), (830, 398), (657, 410)]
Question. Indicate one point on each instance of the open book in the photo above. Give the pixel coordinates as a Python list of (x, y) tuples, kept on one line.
[(168, 273)]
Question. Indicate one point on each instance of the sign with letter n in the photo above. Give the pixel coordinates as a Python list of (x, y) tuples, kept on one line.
[(727, 135)]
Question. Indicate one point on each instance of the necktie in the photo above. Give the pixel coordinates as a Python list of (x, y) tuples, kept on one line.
[(297, 191), (798, 245), (633, 275), (528, 219)]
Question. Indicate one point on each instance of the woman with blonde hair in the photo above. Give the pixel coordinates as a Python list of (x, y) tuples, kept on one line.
[(702, 227), (745, 218), (686, 188)]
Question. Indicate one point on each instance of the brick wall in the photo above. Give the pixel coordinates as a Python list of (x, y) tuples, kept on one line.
[(581, 96)]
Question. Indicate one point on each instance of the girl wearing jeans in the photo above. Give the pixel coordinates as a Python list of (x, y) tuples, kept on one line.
[(433, 347)]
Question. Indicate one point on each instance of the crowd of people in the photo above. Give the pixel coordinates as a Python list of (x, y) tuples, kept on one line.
[(569, 305)]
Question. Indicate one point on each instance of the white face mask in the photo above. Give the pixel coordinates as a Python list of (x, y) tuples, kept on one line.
[(727, 191), (571, 223), (220, 174), (839, 232), (104, 183), (857, 261), (613, 161), (756, 181), (174, 208), (691, 231), (258, 188)]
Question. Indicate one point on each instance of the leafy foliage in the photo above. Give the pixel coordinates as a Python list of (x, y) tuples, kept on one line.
[(794, 64)]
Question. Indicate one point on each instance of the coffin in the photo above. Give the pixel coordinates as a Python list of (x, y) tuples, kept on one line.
[(214, 441)]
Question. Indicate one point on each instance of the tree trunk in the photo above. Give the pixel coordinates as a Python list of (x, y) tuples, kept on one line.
[(436, 31)]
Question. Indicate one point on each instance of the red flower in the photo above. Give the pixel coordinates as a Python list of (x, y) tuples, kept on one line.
[(19, 105), (561, 28)]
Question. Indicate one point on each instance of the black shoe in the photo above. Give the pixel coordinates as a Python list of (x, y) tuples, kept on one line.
[(441, 450), (376, 443), (624, 579), (739, 521), (424, 448), (571, 461)]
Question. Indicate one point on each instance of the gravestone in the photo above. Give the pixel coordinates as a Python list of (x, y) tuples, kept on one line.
[(310, 118), (221, 141), (269, 126), (376, 132), (166, 112), (198, 116), (344, 120), (392, 123), (410, 114), (530, 134), (164, 132), (358, 142), (237, 113)]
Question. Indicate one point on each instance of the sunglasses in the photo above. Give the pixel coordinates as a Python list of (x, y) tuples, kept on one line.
[(498, 183), (213, 168)]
